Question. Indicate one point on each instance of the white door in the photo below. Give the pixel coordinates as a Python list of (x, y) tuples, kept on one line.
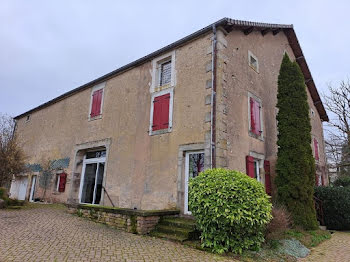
[(22, 188), (91, 183), (32, 189), (194, 164)]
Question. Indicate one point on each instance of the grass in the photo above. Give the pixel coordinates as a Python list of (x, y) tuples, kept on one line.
[(308, 238)]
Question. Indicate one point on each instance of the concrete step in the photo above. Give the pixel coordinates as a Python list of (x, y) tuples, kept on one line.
[(168, 236), (179, 222), (176, 229)]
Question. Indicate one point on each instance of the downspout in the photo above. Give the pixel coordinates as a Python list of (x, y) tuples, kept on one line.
[(213, 101)]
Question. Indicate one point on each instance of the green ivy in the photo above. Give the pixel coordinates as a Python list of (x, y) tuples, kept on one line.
[(231, 210)]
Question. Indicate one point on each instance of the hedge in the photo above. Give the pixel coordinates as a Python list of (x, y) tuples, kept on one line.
[(231, 210), (336, 206)]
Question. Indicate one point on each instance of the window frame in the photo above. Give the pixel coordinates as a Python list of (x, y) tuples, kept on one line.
[(259, 169), (314, 138), (153, 96), (94, 89), (156, 66), (261, 136), (251, 55)]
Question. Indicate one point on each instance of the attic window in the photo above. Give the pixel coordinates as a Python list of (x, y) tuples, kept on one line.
[(27, 118), (253, 61)]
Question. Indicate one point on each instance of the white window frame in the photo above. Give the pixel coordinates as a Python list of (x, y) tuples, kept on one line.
[(156, 66), (58, 181), (95, 88), (260, 158), (261, 136), (187, 162), (250, 54), (92, 161), (170, 126)]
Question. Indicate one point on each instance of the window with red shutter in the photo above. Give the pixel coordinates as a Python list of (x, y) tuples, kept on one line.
[(250, 166), (255, 116), (316, 149), (161, 108), (96, 103), (267, 177), (62, 182)]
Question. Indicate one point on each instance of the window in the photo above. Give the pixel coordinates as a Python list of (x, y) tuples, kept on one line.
[(259, 169), (96, 102), (161, 112), (163, 72), (253, 61), (316, 150), (61, 182), (312, 112), (255, 116), (27, 118)]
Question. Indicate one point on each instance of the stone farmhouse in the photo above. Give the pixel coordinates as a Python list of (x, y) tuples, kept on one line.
[(134, 137)]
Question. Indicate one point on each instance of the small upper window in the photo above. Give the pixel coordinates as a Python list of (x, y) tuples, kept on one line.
[(96, 102), (312, 112), (253, 61), (27, 118), (165, 73)]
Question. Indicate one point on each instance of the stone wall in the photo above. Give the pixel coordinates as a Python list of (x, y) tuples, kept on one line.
[(133, 221)]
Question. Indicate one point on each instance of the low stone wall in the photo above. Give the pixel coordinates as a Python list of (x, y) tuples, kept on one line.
[(130, 220)]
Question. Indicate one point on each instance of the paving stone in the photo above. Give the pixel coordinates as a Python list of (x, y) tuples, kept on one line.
[(51, 234), (336, 249)]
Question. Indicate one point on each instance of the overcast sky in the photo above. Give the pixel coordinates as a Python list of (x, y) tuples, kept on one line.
[(50, 47)]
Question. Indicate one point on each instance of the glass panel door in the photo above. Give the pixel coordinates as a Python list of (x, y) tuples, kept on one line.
[(193, 166), (99, 180), (87, 193)]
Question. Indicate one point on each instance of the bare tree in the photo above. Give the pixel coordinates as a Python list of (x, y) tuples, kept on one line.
[(45, 178), (337, 102), (12, 159)]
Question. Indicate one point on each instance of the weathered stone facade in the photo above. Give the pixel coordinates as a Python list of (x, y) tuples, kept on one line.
[(145, 170)]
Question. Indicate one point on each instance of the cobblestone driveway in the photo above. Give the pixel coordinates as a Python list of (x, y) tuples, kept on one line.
[(336, 249), (50, 234)]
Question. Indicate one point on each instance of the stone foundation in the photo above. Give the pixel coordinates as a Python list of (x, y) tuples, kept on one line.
[(130, 220)]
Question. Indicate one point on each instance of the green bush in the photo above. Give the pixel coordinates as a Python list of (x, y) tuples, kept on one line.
[(336, 206), (3, 193), (231, 210), (342, 181)]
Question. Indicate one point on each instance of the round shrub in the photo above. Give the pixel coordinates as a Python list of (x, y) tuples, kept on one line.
[(231, 210), (336, 206)]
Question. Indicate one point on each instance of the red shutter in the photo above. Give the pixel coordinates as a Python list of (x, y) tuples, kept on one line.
[(96, 103), (165, 111), (250, 166), (252, 120), (161, 112), (62, 184), (316, 149), (257, 117), (267, 177)]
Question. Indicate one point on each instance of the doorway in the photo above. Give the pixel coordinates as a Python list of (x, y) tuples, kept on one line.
[(91, 183), (32, 189), (194, 164)]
